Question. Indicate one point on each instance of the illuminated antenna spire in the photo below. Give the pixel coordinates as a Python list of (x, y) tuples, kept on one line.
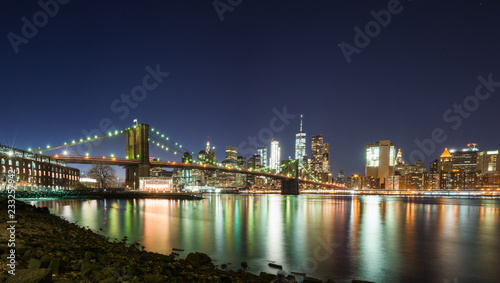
[(301, 122)]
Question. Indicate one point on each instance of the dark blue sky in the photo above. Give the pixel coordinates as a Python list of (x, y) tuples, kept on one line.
[(226, 77)]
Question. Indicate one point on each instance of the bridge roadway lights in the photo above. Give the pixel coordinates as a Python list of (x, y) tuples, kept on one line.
[(290, 187)]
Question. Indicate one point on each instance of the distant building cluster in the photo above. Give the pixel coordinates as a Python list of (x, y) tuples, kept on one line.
[(268, 159), (456, 169)]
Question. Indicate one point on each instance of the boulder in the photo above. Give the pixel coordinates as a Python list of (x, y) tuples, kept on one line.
[(47, 248), (281, 278), (103, 258), (90, 255), (45, 261), (40, 275), (268, 276), (312, 280), (34, 263), (198, 259), (55, 265), (98, 276), (86, 269), (110, 271), (150, 278)]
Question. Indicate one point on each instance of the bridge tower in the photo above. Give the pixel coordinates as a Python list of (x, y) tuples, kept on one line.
[(291, 187), (138, 149)]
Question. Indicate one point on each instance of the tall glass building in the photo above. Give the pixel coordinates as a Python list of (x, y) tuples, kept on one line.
[(262, 151), (300, 143), (274, 161)]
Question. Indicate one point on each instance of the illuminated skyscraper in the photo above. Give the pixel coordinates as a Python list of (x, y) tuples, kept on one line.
[(326, 158), (207, 149), (300, 143), (242, 162), (380, 158), (274, 161), (488, 161), (466, 158), (262, 151), (320, 159), (317, 151), (231, 154), (399, 158)]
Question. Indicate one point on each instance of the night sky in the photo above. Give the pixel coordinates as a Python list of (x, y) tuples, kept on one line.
[(225, 77)]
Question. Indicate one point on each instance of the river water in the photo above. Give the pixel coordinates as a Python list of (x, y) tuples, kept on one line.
[(381, 239)]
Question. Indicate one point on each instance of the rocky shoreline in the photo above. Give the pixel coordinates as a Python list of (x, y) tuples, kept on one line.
[(51, 249)]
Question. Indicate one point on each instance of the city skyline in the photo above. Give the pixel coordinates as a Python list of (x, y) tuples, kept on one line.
[(250, 141), (395, 88)]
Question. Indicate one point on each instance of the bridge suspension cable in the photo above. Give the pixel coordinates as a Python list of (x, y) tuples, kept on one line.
[(159, 143), (165, 139), (77, 142)]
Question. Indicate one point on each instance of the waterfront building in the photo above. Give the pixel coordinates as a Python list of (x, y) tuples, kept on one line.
[(488, 161), (465, 159), (300, 143), (89, 183), (274, 161), (380, 158), (357, 182), (410, 181), (36, 172), (488, 181), (156, 184)]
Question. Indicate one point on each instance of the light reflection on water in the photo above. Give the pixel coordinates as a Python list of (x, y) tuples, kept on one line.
[(383, 239)]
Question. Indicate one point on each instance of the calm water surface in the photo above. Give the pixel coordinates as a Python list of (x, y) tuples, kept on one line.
[(382, 239)]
